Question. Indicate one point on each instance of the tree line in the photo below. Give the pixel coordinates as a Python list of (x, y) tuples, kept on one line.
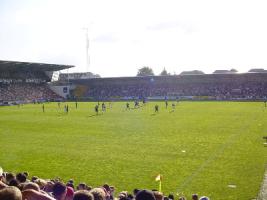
[(147, 71)]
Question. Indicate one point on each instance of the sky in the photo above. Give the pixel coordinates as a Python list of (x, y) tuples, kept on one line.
[(125, 35)]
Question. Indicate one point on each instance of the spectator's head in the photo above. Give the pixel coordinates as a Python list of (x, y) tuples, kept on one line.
[(158, 195), (83, 195), (71, 181), (10, 193), (59, 191), (107, 193), (98, 193), (9, 177), (107, 190), (112, 190), (70, 185), (14, 182), (171, 196), (123, 195), (41, 182), (145, 195), (34, 178), (165, 198), (106, 186), (204, 198), (57, 179), (32, 186), (49, 186), (130, 197), (82, 186), (21, 177), (135, 191), (194, 197), (26, 174)]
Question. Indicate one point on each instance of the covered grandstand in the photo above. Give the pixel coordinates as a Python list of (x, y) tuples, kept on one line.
[(27, 81), (231, 86)]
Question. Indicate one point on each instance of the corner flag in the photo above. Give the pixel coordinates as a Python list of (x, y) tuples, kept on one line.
[(159, 178)]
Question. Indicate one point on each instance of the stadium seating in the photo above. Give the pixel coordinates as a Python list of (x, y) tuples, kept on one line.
[(250, 86), (22, 82), (26, 92)]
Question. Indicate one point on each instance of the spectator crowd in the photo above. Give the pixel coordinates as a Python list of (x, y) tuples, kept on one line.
[(220, 91), (26, 92), (214, 86), (20, 187)]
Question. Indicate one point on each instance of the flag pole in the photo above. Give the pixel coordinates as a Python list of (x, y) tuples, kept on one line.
[(160, 185), (159, 179)]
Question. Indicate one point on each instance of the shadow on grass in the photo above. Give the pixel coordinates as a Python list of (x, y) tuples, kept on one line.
[(95, 115)]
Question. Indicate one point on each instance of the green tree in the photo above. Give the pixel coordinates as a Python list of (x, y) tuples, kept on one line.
[(145, 71), (233, 71), (164, 72)]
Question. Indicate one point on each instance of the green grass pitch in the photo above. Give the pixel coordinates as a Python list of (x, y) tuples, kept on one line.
[(201, 147)]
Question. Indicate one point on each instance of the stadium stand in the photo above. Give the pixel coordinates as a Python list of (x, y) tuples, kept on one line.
[(26, 82), (70, 76), (230, 86)]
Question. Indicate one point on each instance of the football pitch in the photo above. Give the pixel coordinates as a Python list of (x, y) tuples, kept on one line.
[(210, 148)]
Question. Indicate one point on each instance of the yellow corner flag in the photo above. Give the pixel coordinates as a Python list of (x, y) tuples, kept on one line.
[(159, 178)]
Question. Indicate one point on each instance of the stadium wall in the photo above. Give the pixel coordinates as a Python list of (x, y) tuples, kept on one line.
[(62, 90)]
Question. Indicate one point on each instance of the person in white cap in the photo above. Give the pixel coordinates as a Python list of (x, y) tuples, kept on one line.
[(204, 198), (2, 185), (1, 173)]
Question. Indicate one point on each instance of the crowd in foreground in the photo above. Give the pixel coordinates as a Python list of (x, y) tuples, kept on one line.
[(20, 187)]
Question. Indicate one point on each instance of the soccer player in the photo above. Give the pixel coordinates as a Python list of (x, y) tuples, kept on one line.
[(265, 101), (103, 107), (136, 104), (166, 104), (173, 107), (144, 101), (156, 108), (65, 109), (76, 104), (127, 106), (96, 109), (43, 107)]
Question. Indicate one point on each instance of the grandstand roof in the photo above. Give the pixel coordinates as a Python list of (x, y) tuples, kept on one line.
[(15, 65), (221, 71), (193, 72), (258, 70)]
